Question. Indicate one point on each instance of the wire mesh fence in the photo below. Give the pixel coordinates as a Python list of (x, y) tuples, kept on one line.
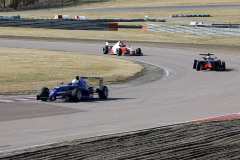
[(19, 5)]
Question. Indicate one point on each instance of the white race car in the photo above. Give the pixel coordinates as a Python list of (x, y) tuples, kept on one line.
[(120, 49)]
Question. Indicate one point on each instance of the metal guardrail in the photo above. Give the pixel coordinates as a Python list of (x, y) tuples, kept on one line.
[(194, 30), (191, 15), (57, 24)]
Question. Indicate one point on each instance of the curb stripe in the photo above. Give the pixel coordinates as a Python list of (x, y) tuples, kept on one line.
[(17, 100), (219, 118)]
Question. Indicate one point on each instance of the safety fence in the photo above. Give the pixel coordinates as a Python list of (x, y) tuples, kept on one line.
[(59, 24), (209, 31), (19, 5)]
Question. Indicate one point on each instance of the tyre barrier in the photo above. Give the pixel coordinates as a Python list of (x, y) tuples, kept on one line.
[(191, 15), (68, 24), (10, 17)]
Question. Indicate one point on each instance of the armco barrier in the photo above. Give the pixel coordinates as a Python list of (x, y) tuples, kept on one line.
[(59, 24), (129, 20), (191, 15), (208, 31)]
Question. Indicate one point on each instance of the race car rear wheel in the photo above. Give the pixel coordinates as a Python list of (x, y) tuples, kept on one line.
[(77, 95), (44, 92), (138, 51), (198, 66), (103, 93), (105, 50), (194, 64), (223, 66), (119, 51)]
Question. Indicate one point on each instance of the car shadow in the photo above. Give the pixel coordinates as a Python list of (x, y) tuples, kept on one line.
[(93, 100), (227, 70), (96, 100)]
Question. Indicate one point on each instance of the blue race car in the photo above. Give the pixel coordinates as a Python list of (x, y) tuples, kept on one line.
[(74, 92)]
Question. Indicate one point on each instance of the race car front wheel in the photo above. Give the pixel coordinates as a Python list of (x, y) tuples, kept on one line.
[(105, 50), (103, 93), (44, 92), (77, 94), (119, 51), (138, 51)]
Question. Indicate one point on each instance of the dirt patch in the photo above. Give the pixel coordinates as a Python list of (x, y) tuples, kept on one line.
[(205, 140)]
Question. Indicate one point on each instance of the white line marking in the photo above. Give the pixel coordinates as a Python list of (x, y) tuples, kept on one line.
[(7, 101)]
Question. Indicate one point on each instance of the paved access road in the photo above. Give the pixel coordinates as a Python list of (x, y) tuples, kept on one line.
[(166, 8), (186, 95)]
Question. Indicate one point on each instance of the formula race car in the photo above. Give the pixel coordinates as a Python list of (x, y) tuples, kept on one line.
[(208, 63), (75, 92), (120, 49)]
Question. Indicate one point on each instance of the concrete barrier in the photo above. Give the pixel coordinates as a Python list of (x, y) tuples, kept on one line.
[(68, 24)]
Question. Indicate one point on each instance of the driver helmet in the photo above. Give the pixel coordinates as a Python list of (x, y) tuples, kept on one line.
[(75, 81), (121, 44), (208, 55)]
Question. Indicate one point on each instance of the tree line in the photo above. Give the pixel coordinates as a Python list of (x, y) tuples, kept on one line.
[(15, 3)]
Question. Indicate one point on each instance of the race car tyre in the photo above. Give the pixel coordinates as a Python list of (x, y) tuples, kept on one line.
[(223, 66), (194, 64), (119, 51), (198, 66), (44, 92), (105, 50), (103, 93), (77, 95), (138, 51)]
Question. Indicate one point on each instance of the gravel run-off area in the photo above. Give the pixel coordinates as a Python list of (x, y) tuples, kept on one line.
[(198, 140)]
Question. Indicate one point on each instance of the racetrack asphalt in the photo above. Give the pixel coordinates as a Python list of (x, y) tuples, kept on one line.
[(186, 95), (166, 8)]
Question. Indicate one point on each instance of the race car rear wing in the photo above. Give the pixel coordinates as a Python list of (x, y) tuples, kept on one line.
[(100, 80), (114, 42), (206, 54)]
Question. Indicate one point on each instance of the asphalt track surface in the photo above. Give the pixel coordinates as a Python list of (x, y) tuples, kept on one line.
[(185, 95), (166, 8)]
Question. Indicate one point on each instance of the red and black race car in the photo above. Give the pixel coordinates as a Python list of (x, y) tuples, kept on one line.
[(121, 49), (209, 63)]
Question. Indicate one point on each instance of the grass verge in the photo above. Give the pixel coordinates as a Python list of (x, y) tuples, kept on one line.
[(123, 34), (150, 3), (25, 71), (221, 16)]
